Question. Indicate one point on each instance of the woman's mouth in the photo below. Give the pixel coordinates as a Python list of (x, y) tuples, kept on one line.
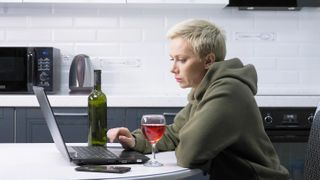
[(178, 80)]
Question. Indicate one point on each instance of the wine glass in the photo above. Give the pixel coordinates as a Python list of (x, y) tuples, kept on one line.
[(153, 127)]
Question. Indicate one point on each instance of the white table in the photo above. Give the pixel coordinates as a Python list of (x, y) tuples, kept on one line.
[(43, 161)]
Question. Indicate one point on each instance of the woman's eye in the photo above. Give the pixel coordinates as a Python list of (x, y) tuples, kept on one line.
[(182, 60), (178, 60)]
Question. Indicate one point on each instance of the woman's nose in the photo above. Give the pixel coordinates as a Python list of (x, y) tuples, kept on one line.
[(173, 69)]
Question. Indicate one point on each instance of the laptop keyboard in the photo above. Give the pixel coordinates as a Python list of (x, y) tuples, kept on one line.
[(93, 152)]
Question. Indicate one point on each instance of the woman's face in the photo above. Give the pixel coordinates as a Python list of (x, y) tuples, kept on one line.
[(187, 67)]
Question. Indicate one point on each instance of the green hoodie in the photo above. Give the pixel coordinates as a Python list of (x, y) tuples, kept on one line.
[(220, 130)]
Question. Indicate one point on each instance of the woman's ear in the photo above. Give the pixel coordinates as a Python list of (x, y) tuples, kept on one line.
[(209, 60)]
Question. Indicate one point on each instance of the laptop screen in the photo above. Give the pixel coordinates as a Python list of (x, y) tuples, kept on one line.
[(50, 120)]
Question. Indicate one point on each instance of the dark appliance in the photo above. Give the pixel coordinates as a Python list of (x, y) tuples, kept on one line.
[(23, 67), (309, 3), (265, 4), (290, 5), (288, 128)]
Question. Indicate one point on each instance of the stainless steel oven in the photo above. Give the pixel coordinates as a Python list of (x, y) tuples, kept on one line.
[(288, 129)]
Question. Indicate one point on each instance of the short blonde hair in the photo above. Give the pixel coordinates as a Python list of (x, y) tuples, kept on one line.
[(204, 37)]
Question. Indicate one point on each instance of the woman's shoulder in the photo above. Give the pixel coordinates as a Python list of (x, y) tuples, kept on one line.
[(228, 88)]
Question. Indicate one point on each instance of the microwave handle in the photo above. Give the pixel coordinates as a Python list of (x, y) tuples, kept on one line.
[(30, 69)]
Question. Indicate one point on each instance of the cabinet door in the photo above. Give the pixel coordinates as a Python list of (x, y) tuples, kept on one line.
[(32, 128), (76, 1), (10, 1), (6, 125), (116, 117), (133, 115), (217, 2), (158, 1)]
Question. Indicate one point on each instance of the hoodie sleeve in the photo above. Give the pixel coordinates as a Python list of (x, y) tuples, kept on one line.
[(170, 139), (214, 124)]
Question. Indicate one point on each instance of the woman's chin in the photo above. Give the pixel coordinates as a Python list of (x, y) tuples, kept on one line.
[(183, 86)]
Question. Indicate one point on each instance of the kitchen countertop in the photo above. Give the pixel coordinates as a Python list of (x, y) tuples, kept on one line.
[(80, 100)]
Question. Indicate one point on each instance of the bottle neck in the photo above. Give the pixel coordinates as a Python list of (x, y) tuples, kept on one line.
[(97, 87), (97, 81)]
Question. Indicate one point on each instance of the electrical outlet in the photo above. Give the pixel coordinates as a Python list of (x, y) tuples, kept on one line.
[(120, 63), (66, 59), (255, 36)]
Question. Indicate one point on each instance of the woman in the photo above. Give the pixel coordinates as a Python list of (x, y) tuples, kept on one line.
[(220, 130)]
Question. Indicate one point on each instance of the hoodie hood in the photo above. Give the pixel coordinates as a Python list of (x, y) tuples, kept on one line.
[(232, 68)]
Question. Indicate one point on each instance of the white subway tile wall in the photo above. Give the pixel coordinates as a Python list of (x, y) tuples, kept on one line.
[(2, 35), (128, 43), (28, 35), (9, 22)]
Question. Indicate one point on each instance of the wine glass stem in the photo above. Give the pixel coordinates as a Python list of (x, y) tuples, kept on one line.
[(154, 151)]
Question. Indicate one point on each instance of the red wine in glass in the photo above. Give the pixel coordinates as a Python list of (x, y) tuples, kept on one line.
[(153, 127), (153, 132)]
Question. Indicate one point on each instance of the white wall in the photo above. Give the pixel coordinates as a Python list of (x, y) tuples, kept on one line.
[(128, 43)]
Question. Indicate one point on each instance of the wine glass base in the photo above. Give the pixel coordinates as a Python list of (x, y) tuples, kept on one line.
[(152, 164)]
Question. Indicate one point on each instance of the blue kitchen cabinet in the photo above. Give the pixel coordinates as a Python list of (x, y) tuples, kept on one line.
[(6, 125), (134, 114), (32, 128), (116, 117)]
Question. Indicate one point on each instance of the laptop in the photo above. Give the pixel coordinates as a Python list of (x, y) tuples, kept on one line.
[(83, 155)]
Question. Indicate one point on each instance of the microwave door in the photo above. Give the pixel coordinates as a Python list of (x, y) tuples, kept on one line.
[(30, 68), (13, 72)]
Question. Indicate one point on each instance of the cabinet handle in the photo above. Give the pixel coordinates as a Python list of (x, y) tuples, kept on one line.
[(169, 114), (71, 114)]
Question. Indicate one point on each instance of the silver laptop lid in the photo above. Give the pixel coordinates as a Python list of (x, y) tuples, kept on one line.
[(51, 121)]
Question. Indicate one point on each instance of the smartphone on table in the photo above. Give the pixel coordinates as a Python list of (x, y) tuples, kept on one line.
[(103, 168)]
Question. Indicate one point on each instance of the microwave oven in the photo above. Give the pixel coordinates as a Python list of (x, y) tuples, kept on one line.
[(23, 67)]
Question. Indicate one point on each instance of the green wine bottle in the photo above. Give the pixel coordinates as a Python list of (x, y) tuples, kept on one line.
[(97, 112)]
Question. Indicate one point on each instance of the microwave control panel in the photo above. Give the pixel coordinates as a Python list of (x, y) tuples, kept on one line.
[(44, 59), (44, 69)]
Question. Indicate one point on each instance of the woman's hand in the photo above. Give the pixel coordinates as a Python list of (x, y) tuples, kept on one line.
[(123, 136)]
